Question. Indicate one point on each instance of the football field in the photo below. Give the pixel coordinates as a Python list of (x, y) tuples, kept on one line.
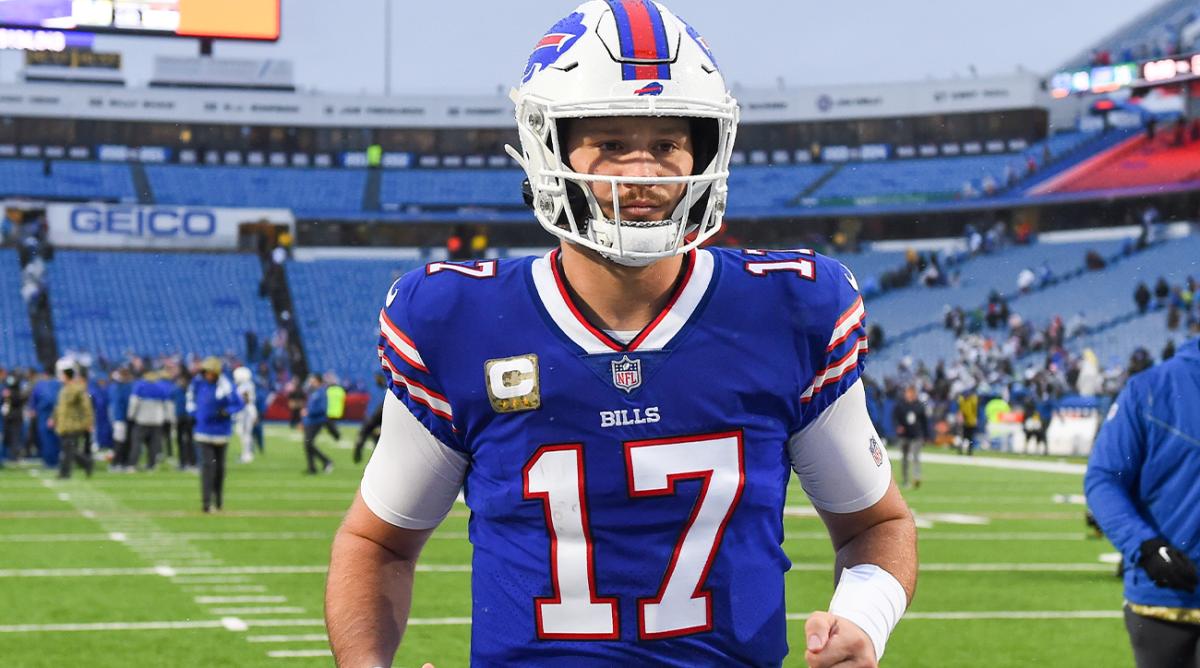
[(123, 570)]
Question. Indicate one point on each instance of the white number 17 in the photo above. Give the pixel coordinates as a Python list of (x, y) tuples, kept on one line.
[(681, 606)]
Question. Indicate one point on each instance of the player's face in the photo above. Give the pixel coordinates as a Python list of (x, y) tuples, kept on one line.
[(633, 146)]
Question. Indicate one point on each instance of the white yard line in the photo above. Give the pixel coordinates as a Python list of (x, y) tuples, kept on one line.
[(466, 568), (262, 610), (298, 653), (466, 621), (209, 600), (1004, 463), (964, 535), (164, 540), (306, 637)]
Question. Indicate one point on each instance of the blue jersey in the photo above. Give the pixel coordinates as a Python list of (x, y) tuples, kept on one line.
[(626, 498)]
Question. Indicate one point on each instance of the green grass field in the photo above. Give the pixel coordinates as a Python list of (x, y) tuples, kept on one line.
[(123, 570)]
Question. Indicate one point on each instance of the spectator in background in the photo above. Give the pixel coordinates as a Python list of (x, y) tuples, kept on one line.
[(98, 393), (118, 409), (335, 405), (1168, 350), (912, 428), (1026, 279), (374, 417), (295, 401), (1034, 423), (73, 420), (1141, 488), (1141, 297), (479, 242), (12, 410), (457, 247), (147, 415), (185, 425), (211, 401), (968, 410), (314, 419), (246, 418), (42, 400), (1162, 291), (1094, 261)]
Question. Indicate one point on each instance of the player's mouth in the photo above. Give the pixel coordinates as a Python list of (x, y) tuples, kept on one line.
[(642, 210)]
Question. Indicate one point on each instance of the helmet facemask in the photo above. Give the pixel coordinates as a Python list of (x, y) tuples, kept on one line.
[(565, 204)]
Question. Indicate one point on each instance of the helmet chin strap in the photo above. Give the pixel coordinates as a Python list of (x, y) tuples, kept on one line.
[(655, 236)]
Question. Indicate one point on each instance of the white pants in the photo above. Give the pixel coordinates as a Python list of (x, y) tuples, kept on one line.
[(243, 423)]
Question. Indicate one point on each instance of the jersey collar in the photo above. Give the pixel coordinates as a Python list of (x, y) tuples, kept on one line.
[(559, 305)]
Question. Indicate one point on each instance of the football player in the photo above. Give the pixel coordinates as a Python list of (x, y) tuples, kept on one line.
[(624, 411)]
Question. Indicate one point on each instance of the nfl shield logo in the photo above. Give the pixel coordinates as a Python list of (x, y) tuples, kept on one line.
[(876, 452), (627, 373)]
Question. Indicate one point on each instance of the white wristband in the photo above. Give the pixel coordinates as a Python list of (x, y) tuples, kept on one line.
[(871, 598)]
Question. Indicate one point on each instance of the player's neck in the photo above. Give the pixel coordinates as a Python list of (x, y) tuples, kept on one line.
[(616, 297)]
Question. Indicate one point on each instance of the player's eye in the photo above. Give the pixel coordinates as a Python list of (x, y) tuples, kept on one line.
[(609, 146), (666, 147)]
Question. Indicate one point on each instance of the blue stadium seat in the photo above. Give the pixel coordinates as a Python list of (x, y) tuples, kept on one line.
[(337, 308), (933, 178), (307, 191), (68, 180), (16, 337), (496, 188), (108, 303)]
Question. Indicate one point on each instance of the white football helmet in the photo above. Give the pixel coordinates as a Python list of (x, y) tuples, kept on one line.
[(624, 58)]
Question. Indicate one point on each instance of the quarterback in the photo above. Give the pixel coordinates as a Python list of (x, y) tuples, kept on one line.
[(624, 413)]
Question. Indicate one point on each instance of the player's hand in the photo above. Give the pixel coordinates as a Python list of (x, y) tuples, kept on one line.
[(1167, 566), (836, 641)]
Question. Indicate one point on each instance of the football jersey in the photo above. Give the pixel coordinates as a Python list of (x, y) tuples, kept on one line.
[(627, 498)]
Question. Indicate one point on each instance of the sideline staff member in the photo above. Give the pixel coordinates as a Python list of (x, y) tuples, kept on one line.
[(1143, 486)]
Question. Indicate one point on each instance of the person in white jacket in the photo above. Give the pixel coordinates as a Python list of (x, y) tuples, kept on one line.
[(245, 419)]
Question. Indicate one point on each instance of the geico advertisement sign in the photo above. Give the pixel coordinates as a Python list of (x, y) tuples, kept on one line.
[(132, 226), (137, 222)]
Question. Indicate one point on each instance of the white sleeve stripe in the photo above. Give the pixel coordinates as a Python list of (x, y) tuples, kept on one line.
[(412, 479), (851, 319), (432, 400), (403, 345), (835, 371)]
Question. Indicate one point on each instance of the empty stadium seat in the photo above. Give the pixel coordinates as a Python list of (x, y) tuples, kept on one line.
[(337, 306), (307, 191), (16, 337), (110, 303), (67, 180)]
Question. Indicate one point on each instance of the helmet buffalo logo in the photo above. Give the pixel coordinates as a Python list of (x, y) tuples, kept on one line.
[(554, 44), (650, 89), (702, 43)]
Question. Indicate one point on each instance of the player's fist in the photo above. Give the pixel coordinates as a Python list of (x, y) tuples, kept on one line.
[(835, 641)]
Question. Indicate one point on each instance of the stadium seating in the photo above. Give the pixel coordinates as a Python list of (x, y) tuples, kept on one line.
[(1158, 26), (337, 306), (16, 338), (920, 179), (313, 192), (404, 188), (1139, 162), (109, 303), (68, 180), (928, 341), (757, 189)]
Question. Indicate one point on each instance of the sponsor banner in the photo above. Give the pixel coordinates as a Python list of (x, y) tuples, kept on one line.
[(230, 107), (136, 226)]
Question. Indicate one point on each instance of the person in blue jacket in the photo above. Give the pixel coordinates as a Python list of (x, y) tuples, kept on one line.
[(42, 400), (98, 391), (314, 419), (118, 406), (211, 401), (1143, 486)]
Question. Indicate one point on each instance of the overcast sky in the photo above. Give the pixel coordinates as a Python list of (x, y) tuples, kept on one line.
[(476, 46)]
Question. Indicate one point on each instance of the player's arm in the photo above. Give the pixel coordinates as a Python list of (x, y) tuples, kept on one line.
[(1113, 475), (847, 476), (409, 486)]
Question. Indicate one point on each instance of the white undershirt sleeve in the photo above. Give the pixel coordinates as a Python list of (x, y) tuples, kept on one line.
[(840, 458), (413, 478)]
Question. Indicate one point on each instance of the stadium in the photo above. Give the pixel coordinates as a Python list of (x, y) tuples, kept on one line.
[(1024, 243)]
